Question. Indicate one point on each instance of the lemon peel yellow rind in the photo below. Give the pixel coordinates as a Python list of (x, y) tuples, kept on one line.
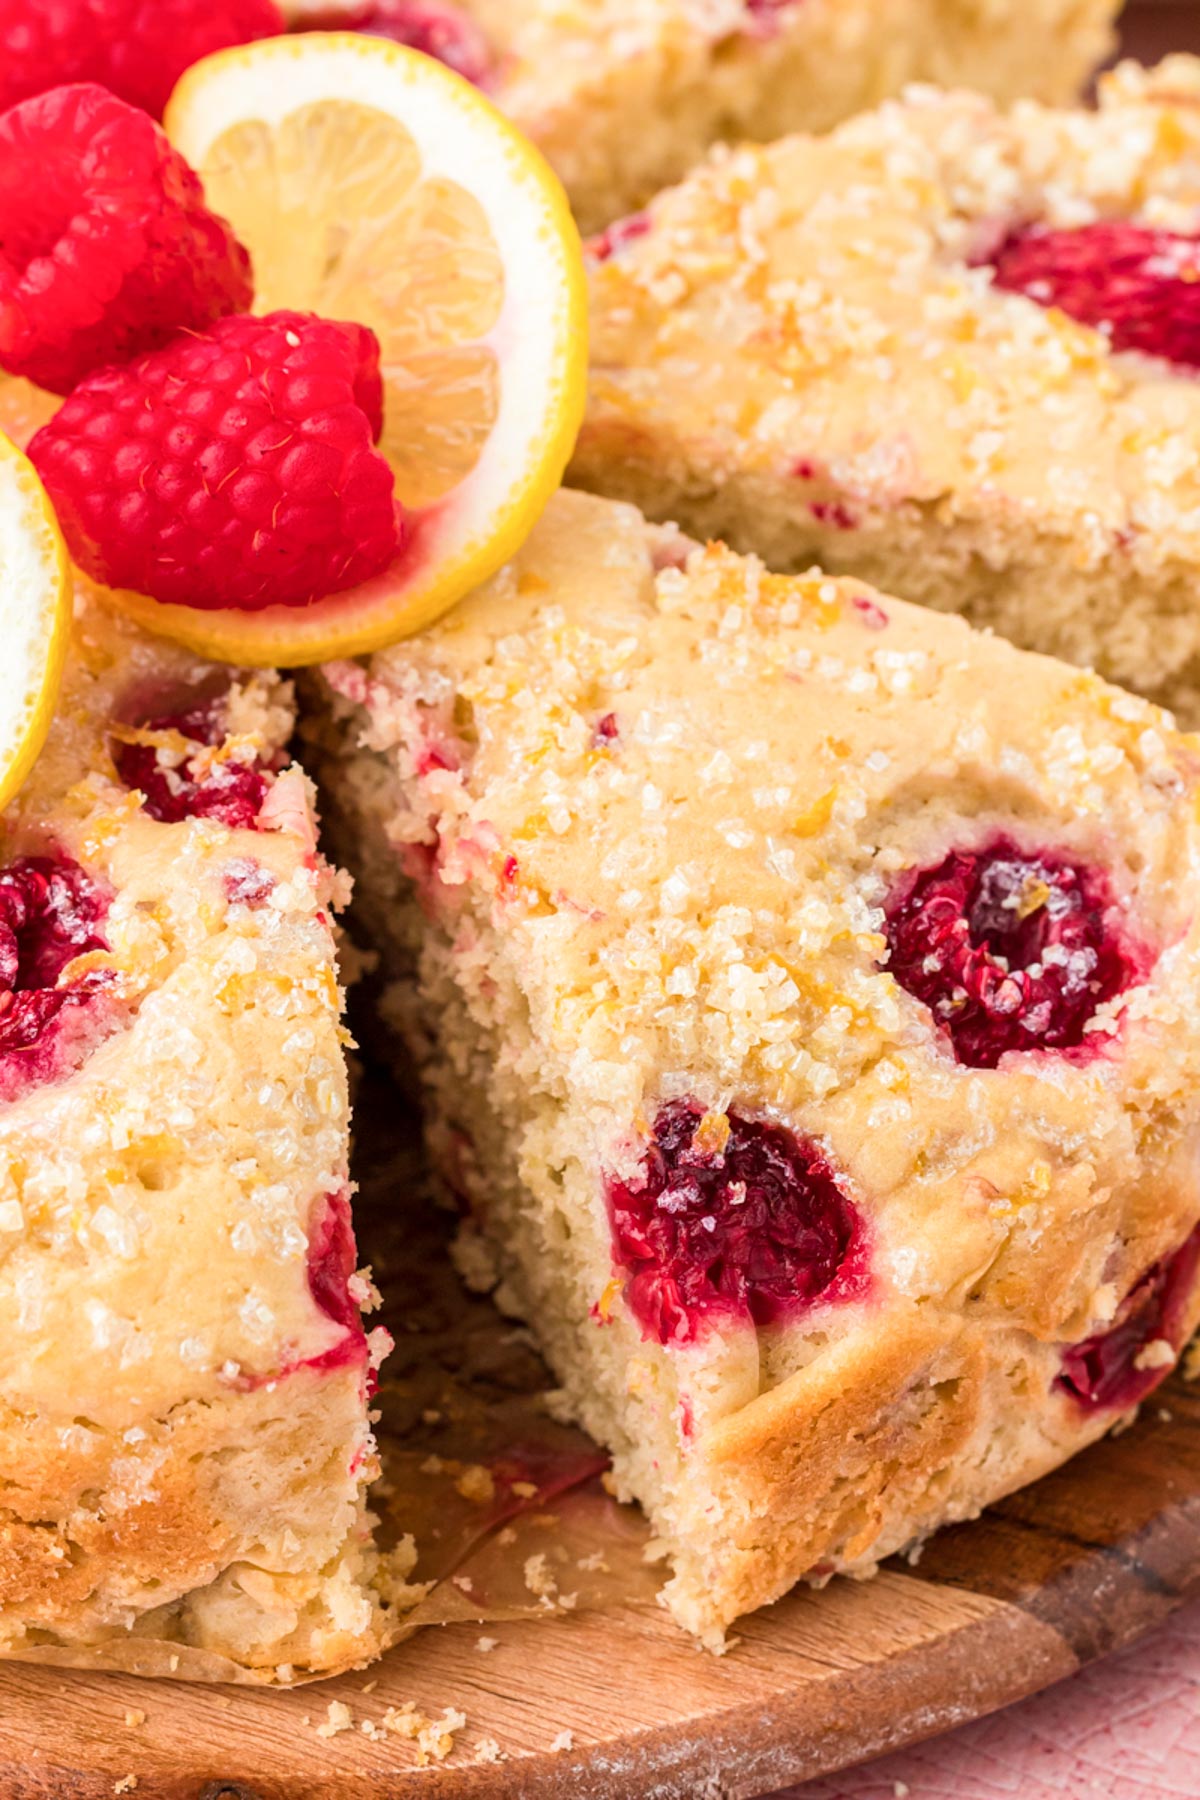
[(35, 616)]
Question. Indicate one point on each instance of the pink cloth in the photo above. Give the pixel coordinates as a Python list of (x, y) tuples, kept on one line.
[(1127, 1728)]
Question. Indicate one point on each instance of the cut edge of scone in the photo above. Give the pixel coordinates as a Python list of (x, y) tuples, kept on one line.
[(184, 1398)]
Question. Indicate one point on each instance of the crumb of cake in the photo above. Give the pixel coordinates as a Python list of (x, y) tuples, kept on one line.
[(487, 1750), (126, 1785), (486, 1644), (134, 1716), (564, 1741), (434, 1738), (476, 1484), (338, 1718), (538, 1578)]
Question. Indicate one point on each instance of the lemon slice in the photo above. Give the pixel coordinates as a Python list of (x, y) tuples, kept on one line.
[(35, 616), (24, 408), (370, 183)]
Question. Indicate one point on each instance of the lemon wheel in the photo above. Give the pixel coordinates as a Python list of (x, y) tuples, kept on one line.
[(370, 183)]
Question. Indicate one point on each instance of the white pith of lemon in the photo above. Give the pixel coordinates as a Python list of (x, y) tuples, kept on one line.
[(35, 616), (371, 183)]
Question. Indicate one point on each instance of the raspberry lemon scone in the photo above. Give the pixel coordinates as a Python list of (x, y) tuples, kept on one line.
[(185, 1377), (950, 351), (803, 989), (625, 95)]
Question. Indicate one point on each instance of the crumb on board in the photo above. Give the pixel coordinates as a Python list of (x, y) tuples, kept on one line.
[(134, 1716), (487, 1750), (525, 1490), (434, 1738), (338, 1718), (593, 1564), (900, 1790), (126, 1784), (484, 1644), (506, 1536), (368, 1687), (477, 1484), (564, 1741), (538, 1578)]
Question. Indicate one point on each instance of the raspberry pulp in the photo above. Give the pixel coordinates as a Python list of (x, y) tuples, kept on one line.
[(332, 1259), (109, 249), (50, 913), (233, 468), (435, 27), (177, 781), (742, 1222), (1009, 950), (1137, 284), (1102, 1371), (137, 49)]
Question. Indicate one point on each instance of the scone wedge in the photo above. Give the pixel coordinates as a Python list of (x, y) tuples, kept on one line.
[(803, 989), (185, 1375), (948, 349)]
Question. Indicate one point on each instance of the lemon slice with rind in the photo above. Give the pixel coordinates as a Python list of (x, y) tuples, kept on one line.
[(35, 616), (370, 183)]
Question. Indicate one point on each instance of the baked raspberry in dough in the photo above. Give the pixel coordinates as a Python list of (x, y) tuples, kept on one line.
[(948, 350), (625, 95), (184, 1371), (804, 989)]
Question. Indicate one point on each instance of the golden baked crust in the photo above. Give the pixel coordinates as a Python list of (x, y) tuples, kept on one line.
[(625, 823), (624, 96), (797, 354), (183, 1409)]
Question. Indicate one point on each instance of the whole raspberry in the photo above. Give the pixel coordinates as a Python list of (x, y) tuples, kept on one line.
[(106, 246), (1138, 285), (136, 48), (1010, 951), (435, 27), (235, 468)]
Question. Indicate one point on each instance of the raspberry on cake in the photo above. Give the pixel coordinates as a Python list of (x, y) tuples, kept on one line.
[(625, 95), (111, 250), (947, 350), (184, 1378), (804, 991), (235, 467), (137, 49)]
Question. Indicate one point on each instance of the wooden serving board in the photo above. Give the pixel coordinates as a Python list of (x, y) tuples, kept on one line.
[(1064, 1572)]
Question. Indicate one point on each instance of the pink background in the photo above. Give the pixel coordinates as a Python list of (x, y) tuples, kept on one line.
[(1127, 1728)]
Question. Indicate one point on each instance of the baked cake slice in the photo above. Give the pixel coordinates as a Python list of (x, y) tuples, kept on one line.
[(804, 991), (949, 350), (185, 1373), (624, 96)]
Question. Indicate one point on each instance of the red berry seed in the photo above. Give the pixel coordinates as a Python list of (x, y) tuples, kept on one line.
[(106, 245), (1010, 951), (1138, 285), (235, 468), (137, 49), (755, 1229), (435, 27)]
